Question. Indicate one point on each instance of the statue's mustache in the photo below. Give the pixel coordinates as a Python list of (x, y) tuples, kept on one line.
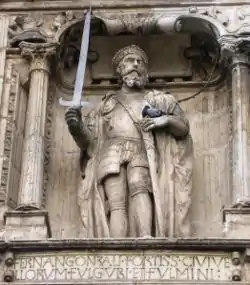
[(131, 71)]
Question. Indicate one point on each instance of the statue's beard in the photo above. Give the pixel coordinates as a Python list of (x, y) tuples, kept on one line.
[(134, 79)]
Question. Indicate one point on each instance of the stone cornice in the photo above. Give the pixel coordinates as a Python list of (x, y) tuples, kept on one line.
[(7, 6), (214, 244)]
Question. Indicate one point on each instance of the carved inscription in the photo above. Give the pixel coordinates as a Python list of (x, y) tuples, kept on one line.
[(125, 266)]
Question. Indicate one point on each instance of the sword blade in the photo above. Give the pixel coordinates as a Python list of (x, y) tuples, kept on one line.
[(80, 74)]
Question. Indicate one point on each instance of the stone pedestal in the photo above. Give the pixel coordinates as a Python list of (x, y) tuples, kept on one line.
[(237, 223), (31, 225)]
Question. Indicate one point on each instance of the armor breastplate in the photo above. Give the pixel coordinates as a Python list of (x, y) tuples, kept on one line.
[(120, 124)]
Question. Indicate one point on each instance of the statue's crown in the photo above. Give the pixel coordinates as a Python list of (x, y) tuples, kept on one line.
[(131, 49)]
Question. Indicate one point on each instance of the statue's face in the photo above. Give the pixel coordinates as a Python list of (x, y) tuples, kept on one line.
[(133, 71)]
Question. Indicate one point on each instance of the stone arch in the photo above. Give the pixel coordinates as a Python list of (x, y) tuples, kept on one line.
[(69, 37), (197, 22), (95, 21)]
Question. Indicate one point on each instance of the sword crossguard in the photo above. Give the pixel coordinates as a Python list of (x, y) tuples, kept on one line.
[(74, 104)]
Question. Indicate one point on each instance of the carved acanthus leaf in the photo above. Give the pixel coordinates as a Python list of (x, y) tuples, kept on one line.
[(233, 44), (229, 45), (32, 50), (38, 53)]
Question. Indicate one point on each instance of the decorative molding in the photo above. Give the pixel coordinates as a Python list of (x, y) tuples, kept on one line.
[(216, 244), (26, 28), (229, 20), (219, 22), (109, 4), (11, 80), (47, 145)]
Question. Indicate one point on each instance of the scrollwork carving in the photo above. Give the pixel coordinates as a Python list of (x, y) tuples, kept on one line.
[(27, 28), (47, 145), (217, 14), (235, 21), (62, 19)]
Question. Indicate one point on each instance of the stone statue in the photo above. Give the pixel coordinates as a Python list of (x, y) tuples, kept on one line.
[(136, 158)]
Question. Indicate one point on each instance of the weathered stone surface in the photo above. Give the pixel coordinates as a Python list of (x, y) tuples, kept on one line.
[(237, 223), (26, 225)]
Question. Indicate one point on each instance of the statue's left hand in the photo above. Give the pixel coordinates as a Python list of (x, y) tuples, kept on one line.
[(149, 124)]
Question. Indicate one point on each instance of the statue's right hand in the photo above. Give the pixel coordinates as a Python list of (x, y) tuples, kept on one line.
[(73, 116)]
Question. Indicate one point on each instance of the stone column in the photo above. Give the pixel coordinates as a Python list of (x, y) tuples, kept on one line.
[(237, 217), (240, 123), (31, 184)]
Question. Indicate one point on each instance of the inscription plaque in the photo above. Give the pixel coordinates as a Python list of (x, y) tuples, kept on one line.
[(163, 266)]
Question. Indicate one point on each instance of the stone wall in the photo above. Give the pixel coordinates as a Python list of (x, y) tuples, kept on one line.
[(209, 115)]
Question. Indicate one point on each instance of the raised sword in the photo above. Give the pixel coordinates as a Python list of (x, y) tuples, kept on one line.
[(80, 74)]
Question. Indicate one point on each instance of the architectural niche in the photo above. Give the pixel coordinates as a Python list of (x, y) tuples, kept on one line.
[(211, 44)]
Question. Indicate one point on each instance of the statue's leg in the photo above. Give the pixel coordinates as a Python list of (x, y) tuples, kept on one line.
[(115, 186), (139, 186)]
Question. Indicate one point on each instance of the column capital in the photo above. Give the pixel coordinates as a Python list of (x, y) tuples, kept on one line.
[(38, 54), (234, 48)]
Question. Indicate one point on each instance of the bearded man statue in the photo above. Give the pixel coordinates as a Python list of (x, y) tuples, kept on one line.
[(136, 158)]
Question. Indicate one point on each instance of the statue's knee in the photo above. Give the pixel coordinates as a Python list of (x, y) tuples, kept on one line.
[(138, 181), (138, 186), (117, 205), (117, 200)]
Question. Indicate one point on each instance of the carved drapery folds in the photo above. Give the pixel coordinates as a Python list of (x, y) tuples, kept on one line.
[(31, 186)]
